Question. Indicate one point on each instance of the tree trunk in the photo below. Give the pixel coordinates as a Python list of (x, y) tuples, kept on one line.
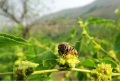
[(26, 31)]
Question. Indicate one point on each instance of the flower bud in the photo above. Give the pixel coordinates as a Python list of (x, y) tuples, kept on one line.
[(97, 47), (112, 53), (117, 11), (84, 32), (20, 54), (81, 23)]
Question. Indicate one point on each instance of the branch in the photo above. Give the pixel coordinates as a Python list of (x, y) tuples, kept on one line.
[(5, 8), (94, 42), (52, 70), (62, 69), (7, 73), (24, 4), (116, 74), (57, 70), (11, 16)]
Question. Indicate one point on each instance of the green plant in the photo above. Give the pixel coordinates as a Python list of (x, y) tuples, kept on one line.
[(98, 59)]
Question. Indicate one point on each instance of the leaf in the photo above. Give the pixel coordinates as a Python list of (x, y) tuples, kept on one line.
[(81, 76), (10, 40), (46, 60), (89, 63), (31, 52), (108, 61), (117, 43)]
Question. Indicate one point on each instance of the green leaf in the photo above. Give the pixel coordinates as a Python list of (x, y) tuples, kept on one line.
[(10, 40), (107, 60), (46, 60), (89, 63), (81, 76), (117, 43)]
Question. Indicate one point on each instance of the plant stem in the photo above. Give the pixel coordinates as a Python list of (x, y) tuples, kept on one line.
[(52, 70), (80, 70), (116, 74), (102, 49), (57, 70), (7, 73), (95, 43), (62, 69), (45, 71)]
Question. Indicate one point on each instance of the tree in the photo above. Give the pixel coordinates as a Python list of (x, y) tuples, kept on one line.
[(21, 12)]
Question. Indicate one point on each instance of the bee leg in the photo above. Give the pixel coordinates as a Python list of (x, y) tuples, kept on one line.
[(59, 52), (76, 54)]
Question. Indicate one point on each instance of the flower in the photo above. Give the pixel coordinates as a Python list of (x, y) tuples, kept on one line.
[(102, 72), (24, 68), (68, 60)]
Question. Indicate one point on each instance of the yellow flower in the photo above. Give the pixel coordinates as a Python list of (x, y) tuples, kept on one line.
[(69, 60), (102, 72)]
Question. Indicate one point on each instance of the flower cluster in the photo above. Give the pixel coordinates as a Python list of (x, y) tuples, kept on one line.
[(68, 61), (102, 72), (23, 68)]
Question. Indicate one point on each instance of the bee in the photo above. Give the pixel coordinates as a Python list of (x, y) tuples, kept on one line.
[(65, 48)]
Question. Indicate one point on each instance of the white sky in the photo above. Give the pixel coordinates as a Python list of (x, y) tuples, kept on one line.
[(57, 5)]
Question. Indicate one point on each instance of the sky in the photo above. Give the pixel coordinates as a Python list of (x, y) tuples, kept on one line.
[(58, 5)]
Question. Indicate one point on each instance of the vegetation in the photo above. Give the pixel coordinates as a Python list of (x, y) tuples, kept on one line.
[(91, 52)]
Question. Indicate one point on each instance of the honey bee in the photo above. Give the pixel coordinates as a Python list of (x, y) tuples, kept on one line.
[(65, 48)]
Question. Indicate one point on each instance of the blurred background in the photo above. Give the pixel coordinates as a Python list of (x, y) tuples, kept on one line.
[(46, 23), (48, 18)]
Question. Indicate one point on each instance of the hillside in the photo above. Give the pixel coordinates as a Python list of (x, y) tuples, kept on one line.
[(101, 8), (54, 23)]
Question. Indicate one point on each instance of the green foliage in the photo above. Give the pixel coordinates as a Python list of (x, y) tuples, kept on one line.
[(78, 44), (89, 63), (46, 60), (72, 34), (98, 53), (99, 21), (108, 60), (117, 43), (81, 76), (10, 40)]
